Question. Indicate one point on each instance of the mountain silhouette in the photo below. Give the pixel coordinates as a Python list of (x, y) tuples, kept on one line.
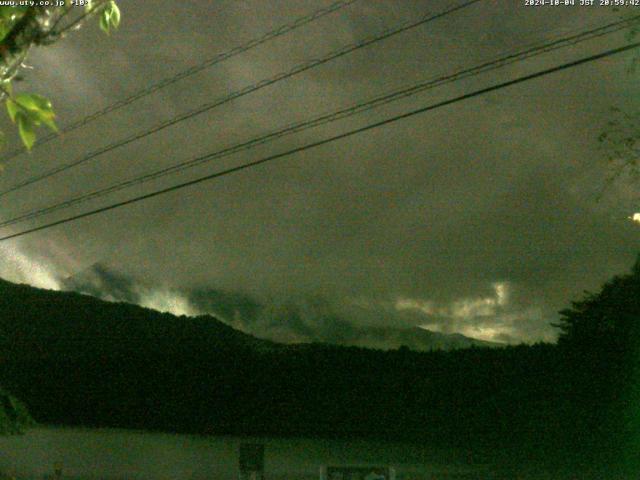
[(296, 320), (77, 360)]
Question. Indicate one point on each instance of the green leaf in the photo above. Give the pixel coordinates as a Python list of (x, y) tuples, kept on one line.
[(115, 15), (37, 108), (34, 102), (29, 111), (25, 128), (110, 17), (50, 123), (104, 22), (12, 108)]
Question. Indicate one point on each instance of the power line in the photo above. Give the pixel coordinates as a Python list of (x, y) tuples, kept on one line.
[(331, 139), (219, 58), (331, 117), (240, 93)]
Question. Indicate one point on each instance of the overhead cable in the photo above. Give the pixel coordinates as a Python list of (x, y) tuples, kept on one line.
[(237, 94), (328, 140)]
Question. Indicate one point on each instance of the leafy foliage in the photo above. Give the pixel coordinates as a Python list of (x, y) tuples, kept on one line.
[(8, 17), (620, 144), (29, 111), (110, 17), (601, 340), (605, 324), (620, 137), (22, 27)]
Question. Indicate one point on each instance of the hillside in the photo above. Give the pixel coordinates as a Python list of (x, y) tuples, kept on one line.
[(40, 323), (290, 320), (75, 359)]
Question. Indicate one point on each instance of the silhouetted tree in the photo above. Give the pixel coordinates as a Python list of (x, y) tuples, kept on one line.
[(600, 342), (607, 320)]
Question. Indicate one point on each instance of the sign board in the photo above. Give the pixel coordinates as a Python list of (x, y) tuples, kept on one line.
[(251, 457), (357, 473)]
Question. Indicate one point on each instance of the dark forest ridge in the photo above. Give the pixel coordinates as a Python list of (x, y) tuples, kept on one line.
[(76, 360), (36, 321), (296, 320)]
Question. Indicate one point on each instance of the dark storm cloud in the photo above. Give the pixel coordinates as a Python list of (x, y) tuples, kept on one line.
[(437, 210), (301, 319), (101, 282)]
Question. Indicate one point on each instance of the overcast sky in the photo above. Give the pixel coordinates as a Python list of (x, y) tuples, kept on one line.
[(480, 217)]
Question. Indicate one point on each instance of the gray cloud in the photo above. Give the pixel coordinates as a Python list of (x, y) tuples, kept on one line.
[(496, 190), (304, 318)]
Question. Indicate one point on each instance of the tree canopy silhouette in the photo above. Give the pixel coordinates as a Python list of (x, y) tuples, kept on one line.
[(600, 341), (607, 316)]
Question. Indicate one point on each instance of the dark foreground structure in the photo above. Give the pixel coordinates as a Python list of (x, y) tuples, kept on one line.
[(571, 407)]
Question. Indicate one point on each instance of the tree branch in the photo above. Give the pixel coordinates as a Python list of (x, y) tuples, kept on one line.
[(86, 15)]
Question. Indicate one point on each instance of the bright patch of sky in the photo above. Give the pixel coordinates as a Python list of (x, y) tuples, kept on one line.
[(168, 302), (462, 312), (18, 267)]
